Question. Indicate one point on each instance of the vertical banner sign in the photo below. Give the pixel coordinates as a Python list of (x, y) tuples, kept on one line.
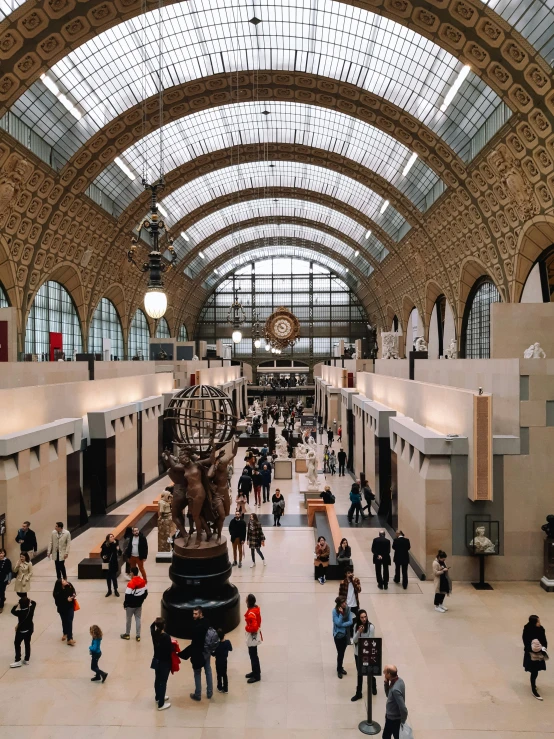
[(371, 650)]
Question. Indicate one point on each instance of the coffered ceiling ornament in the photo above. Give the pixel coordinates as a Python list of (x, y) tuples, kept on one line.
[(282, 328), (511, 175)]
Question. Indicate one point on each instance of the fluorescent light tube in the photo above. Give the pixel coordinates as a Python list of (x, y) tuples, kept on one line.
[(465, 70)]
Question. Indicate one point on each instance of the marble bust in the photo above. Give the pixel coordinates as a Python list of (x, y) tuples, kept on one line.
[(481, 544), (548, 527), (420, 344), (535, 351)]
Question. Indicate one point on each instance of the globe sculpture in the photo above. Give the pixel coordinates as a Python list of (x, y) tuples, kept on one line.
[(203, 423)]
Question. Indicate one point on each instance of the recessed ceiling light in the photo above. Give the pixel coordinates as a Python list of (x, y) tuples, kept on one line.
[(346, 270), (368, 234), (184, 235), (384, 207), (216, 272), (254, 21), (356, 253), (201, 255)]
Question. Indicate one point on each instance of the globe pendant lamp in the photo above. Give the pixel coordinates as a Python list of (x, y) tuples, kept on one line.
[(267, 348), (236, 336)]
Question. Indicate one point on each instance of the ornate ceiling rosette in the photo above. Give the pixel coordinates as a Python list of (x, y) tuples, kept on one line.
[(282, 328)]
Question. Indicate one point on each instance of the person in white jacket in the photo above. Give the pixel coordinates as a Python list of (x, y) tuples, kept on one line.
[(58, 548), (363, 628)]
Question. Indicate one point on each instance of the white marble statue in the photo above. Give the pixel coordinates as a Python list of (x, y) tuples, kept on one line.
[(281, 447), (482, 544), (420, 344), (311, 461), (390, 344), (452, 351), (302, 451), (195, 357), (535, 351)]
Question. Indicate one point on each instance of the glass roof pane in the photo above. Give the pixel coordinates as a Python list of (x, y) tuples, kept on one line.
[(284, 174), (287, 207), (534, 19), (283, 122), (232, 243), (105, 76)]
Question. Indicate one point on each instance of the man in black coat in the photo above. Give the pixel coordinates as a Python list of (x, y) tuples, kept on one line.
[(137, 551), (341, 458), (401, 546), (27, 539), (237, 534), (245, 484), (381, 559)]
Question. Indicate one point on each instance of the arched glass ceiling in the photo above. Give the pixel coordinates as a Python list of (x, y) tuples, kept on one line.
[(104, 76), (232, 243), (276, 122), (266, 252), (289, 207), (261, 175)]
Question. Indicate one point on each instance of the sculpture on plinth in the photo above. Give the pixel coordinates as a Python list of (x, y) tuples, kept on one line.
[(311, 461), (452, 351), (390, 344), (165, 523), (281, 447), (204, 426), (420, 344), (480, 543), (535, 351)]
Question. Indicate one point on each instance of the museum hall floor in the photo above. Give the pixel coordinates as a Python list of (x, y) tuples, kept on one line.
[(463, 669)]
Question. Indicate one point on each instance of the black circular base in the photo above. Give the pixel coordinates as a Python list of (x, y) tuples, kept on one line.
[(369, 728)]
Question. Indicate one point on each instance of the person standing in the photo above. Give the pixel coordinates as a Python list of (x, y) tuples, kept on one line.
[(278, 507), (369, 497), (27, 540), (137, 551), (381, 559), (64, 597), (534, 651), (327, 496), (325, 459), (200, 656), (396, 712), (136, 593), (330, 436), (443, 584), (321, 561), (95, 654), (344, 557), (6, 575), (342, 621), (256, 538), (332, 462), (364, 629), (341, 458), (23, 571), (355, 503), (339, 434), (265, 474), (58, 548), (161, 662), (221, 654), (257, 485), (253, 624), (237, 534), (349, 590), (245, 484), (109, 552), (401, 547), (24, 611)]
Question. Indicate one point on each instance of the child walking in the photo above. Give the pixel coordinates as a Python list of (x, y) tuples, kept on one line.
[(95, 654), (221, 653)]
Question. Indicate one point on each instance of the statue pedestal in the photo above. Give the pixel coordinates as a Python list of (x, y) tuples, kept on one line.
[(282, 469), (200, 577), (300, 465), (305, 484)]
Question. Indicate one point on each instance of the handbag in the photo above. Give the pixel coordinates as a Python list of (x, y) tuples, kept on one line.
[(105, 565), (538, 656), (76, 606), (254, 639), (155, 663), (406, 732)]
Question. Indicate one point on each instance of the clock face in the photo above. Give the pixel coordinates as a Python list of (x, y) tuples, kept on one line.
[(282, 327)]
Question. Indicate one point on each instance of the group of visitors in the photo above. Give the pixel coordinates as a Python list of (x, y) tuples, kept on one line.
[(256, 475)]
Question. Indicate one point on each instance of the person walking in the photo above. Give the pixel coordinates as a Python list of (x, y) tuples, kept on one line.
[(265, 474), (443, 583), (257, 485), (349, 590), (327, 496), (245, 484), (278, 507), (136, 593), (64, 597), (95, 654), (339, 434), (6, 575), (137, 551), (342, 621), (341, 458), (237, 534), (58, 548), (330, 436), (221, 654), (322, 555), (24, 611), (325, 459), (199, 652), (396, 712), (27, 540), (364, 629), (381, 559), (161, 662), (534, 651), (332, 462), (401, 547), (355, 503), (23, 571), (109, 552), (253, 625), (368, 495), (256, 538)]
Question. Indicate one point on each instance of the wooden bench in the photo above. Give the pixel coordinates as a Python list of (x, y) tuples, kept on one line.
[(324, 519), (310, 496), (144, 517)]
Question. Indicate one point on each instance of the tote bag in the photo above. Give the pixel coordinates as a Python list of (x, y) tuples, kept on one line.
[(406, 732)]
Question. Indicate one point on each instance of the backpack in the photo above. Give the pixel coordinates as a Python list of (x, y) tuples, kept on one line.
[(332, 497), (211, 641)]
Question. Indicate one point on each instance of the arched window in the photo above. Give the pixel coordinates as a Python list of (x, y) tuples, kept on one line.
[(53, 311), (3, 297), (477, 320), (106, 325), (139, 336), (162, 329), (183, 335)]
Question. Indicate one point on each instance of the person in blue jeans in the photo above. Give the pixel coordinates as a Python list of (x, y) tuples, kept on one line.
[(95, 654), (200, 656), (342, 621), (161, 662), (221, 654)]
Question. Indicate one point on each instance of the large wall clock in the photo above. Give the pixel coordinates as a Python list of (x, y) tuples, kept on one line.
[(282, 328)]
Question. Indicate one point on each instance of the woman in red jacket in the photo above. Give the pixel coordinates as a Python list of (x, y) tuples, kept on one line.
[(253, 622)]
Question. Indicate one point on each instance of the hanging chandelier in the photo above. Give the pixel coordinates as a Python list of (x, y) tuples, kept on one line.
[(236, 317), (256, 330), (155, 299)]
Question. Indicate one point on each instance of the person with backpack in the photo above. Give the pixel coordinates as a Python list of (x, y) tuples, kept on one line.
[(203, 644), (355, 503), (136, 593), (24, 611), (221, 653), (327, 496)]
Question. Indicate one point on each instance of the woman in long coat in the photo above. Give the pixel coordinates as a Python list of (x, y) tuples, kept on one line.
[(534, 654), (255, 538), (23, 571), (110, 552)]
